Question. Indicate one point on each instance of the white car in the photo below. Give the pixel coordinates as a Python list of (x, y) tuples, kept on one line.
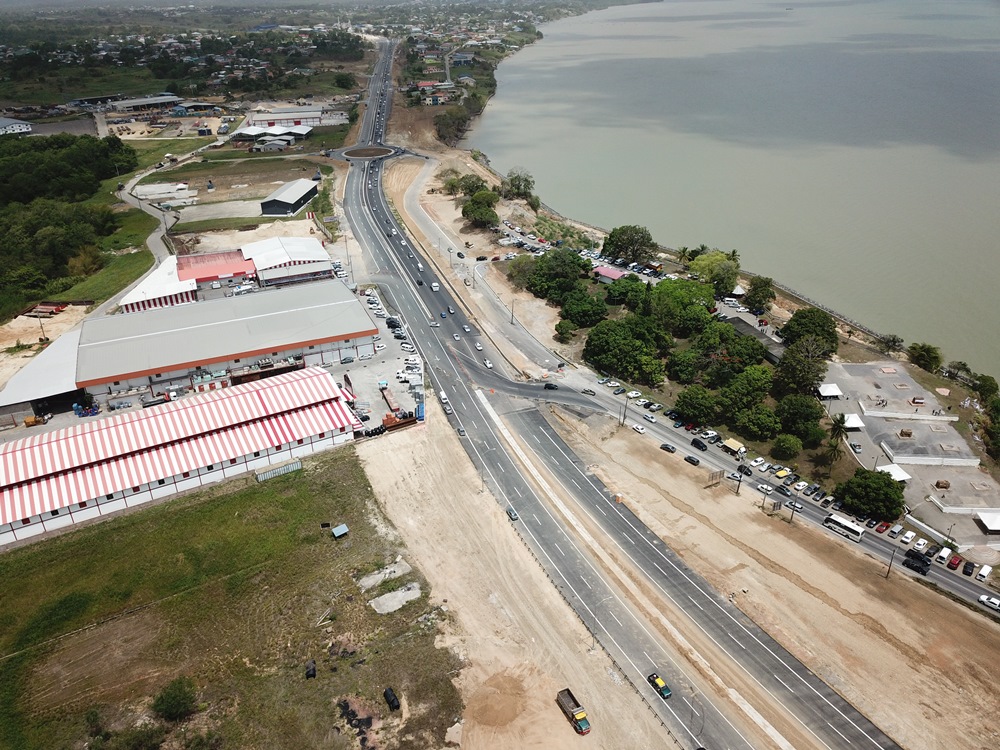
[(489, 365), (456, 337), (799, 486), (990, 601), (407, 347), (613, 384), (708, 434), (642, 402), (649, 418), (435, 324), (921, 543), (655, 407), (379, 347), (765, 488), (479, 347), (764, 467), (733, 475), (757, 462), (633, 394), (366, 356), (639, 428), (467, 329)]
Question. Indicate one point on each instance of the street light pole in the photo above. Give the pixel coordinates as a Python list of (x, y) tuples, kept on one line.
[(739, 481), (893, 557), (512, 311), (875, 466)]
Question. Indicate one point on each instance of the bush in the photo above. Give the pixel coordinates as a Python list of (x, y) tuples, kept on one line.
[(786, 447), (176, 701)]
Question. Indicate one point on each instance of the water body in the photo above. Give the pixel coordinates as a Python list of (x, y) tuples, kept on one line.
[(848, 148)]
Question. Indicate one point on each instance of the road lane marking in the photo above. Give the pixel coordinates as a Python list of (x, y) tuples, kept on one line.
[(691, 706), (610, 612), (737, 642), (786, 685), (695, 603), (556, 545), (839, 732)]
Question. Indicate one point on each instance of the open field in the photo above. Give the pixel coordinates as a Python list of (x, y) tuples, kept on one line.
[(226, 586), (60, 86), (118, 273)]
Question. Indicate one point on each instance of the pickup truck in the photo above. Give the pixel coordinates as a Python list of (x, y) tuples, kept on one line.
[(574, 711)]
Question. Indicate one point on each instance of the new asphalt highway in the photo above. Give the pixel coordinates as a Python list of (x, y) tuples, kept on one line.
[(560, 504)]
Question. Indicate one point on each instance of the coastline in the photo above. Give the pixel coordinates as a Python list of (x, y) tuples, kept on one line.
[(863, 321)]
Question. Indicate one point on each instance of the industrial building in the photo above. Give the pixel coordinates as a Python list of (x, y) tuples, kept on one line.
[(146, 103), (289, 199), (10, 126), (272, 262), (60, 478), (168, 352)]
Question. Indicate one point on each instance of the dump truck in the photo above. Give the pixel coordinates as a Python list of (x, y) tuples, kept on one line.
[(573, 710)]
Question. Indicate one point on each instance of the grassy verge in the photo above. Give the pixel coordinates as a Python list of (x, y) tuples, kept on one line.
[(120, 271), (267, 167), (218, 225), (226, 586)]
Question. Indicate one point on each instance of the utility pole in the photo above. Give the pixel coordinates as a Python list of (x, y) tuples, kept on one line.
[(512, 311), (889, 569)]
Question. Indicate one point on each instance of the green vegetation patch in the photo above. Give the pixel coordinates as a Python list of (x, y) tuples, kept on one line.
[(117, 274), (219, 225), (234, 588)]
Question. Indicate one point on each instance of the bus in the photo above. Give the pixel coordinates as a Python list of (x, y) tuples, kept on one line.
[(844, 527)]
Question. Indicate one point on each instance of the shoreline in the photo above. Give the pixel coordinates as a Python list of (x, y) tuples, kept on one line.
[(860, 332)]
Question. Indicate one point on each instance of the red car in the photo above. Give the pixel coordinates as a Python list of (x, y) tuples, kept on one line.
[(954, 562), (690, 427), (882, 527)]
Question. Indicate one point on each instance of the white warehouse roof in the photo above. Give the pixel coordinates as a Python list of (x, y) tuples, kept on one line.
[(284, 251), (162, 282)]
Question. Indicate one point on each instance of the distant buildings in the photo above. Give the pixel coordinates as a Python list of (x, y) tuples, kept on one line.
[(10, 126)]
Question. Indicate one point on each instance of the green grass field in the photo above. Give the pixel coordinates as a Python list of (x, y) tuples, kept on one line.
[(225, 586), (117, 274), (221, 225)]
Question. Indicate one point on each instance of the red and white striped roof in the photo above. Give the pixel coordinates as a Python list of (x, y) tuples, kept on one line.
[(61, 468)]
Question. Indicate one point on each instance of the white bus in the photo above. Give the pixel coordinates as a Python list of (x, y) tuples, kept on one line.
[(842, 526)]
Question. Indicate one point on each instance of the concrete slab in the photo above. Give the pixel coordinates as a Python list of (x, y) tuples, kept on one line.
[(397, 569), (395, 599)]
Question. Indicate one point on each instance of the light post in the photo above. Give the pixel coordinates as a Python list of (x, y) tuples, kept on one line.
[(451, 263), (625, 411), (739, 480), (950, 528), (512, 311), (893, 557), (875, 465)]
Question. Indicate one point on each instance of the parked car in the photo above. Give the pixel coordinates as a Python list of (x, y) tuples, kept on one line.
[(762, 468), (649, 418), (765, 488), (588, 392), (799, 486), (990, 602), (871, 523), (783, 490), (883, 527), (969, 568), (856, 447), (920, 566), (921, 543), (641, 402), (655, 407), (954, 562), (633, 394), (612, 383), (619, 391), (757, 462), (933, 550), (745, 470)]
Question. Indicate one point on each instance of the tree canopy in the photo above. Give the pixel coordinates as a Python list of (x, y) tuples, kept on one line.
[(811, 321), (612, 347), (760, 294), (925, 356), (873, 493), (631, 242)]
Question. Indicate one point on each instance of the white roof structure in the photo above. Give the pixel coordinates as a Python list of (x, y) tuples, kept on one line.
[(162, 282), (853, 422), (291, 192), (121, 347), (739, 291), (54, 470), (895, 472), (251, 130), (830, 390), (285, 251), (53, 371), (990, 519)]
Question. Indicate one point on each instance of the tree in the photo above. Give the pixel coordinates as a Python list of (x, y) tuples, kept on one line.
[(696, 404), (811, 321), (176, 701), (760, 293), (565, 330), (470, 184), (632, 243), (683, 255), (799, 413), (801, 368), (521, 269), (757, 423), (890, 343), (671, 297), (958, 368), (517, 184), (556, 274), (747, 390), (685, 366), (925, 356), (786, 447), (628, 290), (986, 386), (873, 493), (834, 450), (838, 428), (707, 264), (584, 310), (479, 209), (612, 347)]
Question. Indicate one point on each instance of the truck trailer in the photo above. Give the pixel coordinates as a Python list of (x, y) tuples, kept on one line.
[(574, 711)]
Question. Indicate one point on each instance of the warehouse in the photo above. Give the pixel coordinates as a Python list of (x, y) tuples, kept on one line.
[(289, 199), (61, 478), (213, 345)]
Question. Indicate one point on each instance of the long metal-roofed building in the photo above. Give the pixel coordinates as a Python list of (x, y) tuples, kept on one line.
[(207, 346), (289, 198), (146, 102), (56, 479)]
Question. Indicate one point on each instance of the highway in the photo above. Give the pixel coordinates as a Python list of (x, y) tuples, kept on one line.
[(530, 469)]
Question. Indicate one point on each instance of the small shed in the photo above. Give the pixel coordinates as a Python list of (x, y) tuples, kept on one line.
[(339, 531)]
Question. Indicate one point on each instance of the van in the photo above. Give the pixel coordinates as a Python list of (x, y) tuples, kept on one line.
[(444, 397), (907, 537), (699, 444), (895, 531), (420, 267), (984, 573), (435, 287), (730, 302), (943, 556)]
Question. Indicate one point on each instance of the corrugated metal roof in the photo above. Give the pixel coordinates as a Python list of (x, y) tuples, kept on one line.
[(162, 282), (291, 192), (281, 251), (59, 469), (117, 347), (50, 373)]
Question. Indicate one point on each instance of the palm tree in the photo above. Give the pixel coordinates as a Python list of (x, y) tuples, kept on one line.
[(733, 255), (834, 450), (838, 428), (700, 250), (683, 255)]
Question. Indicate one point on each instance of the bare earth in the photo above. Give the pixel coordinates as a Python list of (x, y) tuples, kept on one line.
[(28, 331), (520, 642), (920, 666)]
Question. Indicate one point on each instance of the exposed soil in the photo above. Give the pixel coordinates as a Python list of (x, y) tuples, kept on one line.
[(28, 331)]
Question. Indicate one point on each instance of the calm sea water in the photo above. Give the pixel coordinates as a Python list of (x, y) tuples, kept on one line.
[(849, 148)]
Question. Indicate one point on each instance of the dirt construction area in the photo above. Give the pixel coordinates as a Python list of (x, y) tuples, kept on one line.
[(26, 332), (919, 665)]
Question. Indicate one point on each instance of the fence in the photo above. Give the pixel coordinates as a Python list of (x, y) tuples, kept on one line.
[(277, 471)]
